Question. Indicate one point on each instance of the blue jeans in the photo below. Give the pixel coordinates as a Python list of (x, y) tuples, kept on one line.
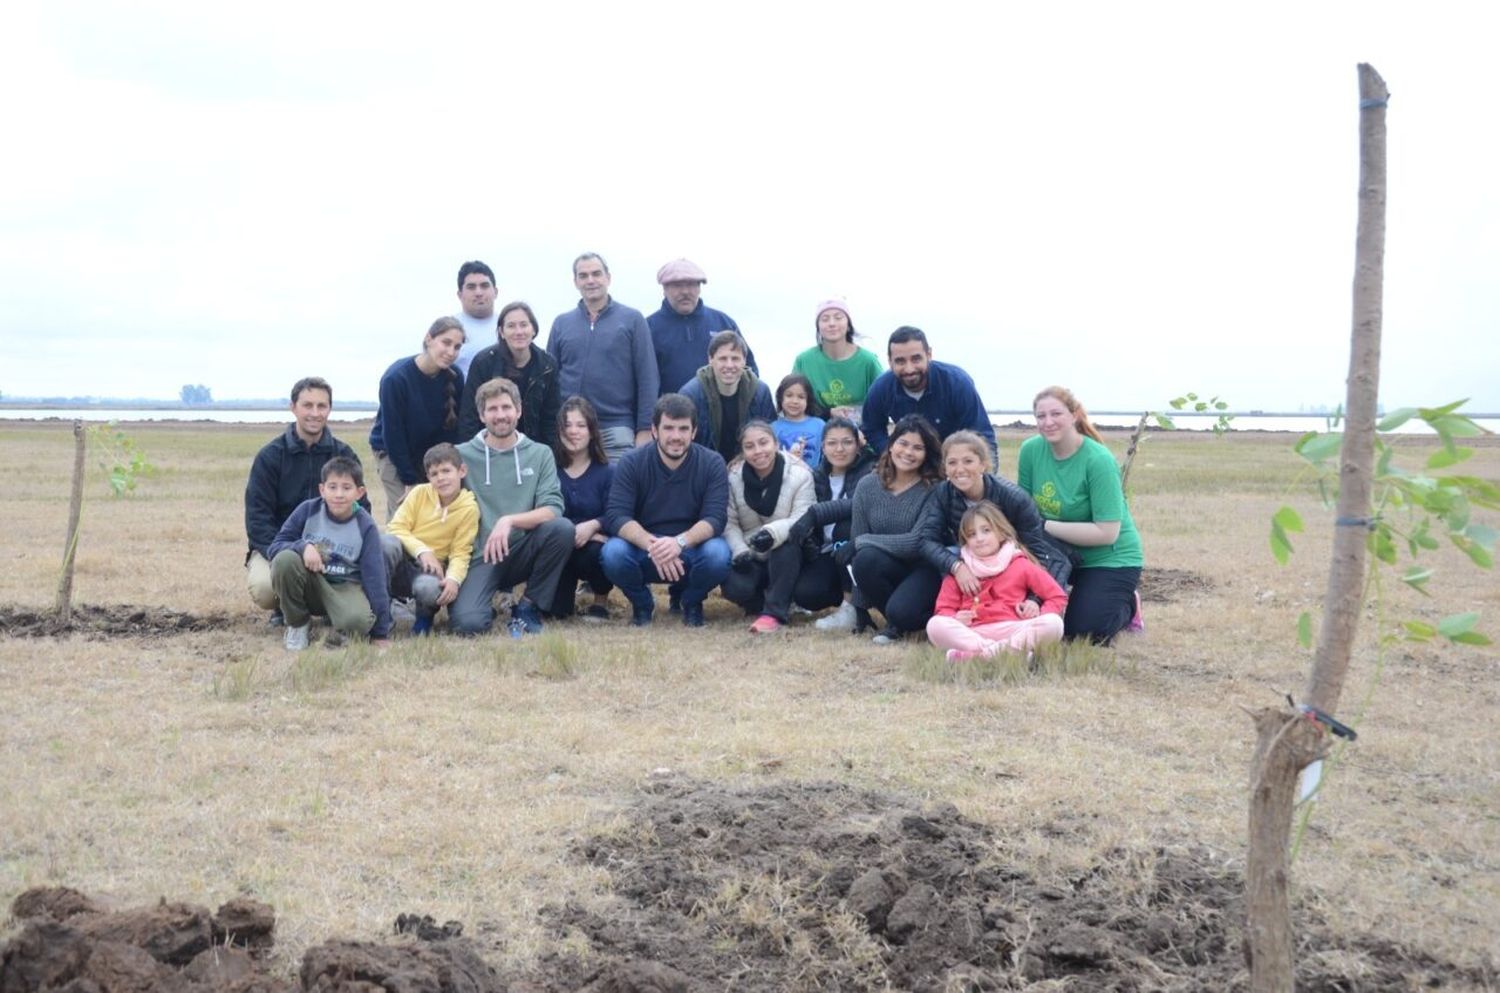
[(632, 570)]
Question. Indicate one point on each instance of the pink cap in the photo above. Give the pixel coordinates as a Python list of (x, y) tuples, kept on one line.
[(680, 271)]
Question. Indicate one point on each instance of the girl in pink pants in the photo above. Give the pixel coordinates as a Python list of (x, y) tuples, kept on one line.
[(999, 617)]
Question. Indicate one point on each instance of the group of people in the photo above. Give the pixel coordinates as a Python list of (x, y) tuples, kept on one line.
[(635, 451)]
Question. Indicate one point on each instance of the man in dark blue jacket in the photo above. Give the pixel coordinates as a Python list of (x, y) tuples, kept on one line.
[(683, 327), (915, 384), (285, 473)]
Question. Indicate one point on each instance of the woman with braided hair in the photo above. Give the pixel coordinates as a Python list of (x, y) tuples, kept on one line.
[(419, 397)]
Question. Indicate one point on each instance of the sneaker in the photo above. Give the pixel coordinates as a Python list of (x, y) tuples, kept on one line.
[(842, 619), (887, 636), (959, 655), (692, 615), (421, 627), (334, 639), (765, 624), (403, 610), (295, 638), (275, 620), (531, 619), (1137, 623), (596, 612), (640, 617)]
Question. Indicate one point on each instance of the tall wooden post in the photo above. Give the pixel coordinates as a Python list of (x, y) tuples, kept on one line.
[(75, 511)]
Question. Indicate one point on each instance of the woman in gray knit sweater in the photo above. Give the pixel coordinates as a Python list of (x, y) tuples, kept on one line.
[(889, 571)]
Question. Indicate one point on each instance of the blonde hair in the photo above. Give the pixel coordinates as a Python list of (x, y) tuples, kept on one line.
[(998, 522), (1065, 396)]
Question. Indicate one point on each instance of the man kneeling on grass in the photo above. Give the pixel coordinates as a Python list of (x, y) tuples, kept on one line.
[(327, 559), (432, 536)]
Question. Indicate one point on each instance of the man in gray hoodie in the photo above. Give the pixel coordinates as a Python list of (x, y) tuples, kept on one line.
[(523, 537)]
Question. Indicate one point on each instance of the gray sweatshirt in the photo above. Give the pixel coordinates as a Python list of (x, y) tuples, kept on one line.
[(887, 521), (609, 361)]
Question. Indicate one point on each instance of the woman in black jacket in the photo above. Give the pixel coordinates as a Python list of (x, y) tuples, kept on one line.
[(824, 530), (516, 358)]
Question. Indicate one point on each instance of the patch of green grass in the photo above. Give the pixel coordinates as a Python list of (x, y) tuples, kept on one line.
[(236, 681), (319, 668), (1073, 658), (556, 656)]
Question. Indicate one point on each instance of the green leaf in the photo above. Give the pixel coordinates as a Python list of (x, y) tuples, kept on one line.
[(1281, 548), (1419, 631), (1164, 422), (1429, 414), (1444, 457), (1457, 624), (1220, 404), (1288, 518), (1319, 447), (1415, 577), (1481, 556), (1470, 638), (1178, 403), (1482, 534), (1304, 629), (1382, 546), (1396, 418)]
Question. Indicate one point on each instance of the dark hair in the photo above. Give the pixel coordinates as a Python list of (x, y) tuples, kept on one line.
[(443, 453), (450, 383), (838, 423), (675, 406), (343, 465), (725, 338), (815, 406), (470, 268), (500, 325), (311, 383), (591, 418), (848, 335), (931, 469), (904, 334), (755, 424), (585, 257)]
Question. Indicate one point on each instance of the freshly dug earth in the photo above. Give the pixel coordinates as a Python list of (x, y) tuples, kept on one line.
[(772, 888), (801, 887), (1167, 585), (109, 622)]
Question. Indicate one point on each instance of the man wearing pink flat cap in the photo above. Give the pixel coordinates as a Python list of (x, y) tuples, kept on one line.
[(683, 326)]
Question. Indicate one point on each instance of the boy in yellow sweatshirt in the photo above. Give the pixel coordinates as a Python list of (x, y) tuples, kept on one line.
[(434, 528)]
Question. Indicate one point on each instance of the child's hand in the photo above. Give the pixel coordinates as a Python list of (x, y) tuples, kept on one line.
[(1027, 609), (448, 593), (312, 558), (430, 564), (964, 617)]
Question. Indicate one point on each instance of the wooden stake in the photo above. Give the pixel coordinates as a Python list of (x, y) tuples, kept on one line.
[(75, 511)]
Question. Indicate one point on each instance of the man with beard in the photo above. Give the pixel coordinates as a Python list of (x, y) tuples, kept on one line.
[(683, 327), (667, 509), (476, 298), (915, 384), (523, 536)]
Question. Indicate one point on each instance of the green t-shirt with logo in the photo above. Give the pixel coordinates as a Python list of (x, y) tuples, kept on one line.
[(839, 382), (1085, 486)]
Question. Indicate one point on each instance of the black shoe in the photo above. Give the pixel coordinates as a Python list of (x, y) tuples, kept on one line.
[(862, 621), (275, 620), (674, 603), (640, 617), (692, 615)]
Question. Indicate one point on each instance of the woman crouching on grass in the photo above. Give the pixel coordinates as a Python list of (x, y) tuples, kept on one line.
[(997, 615), (584, 472), (419, 398), (824, 530), (768, 491), (1076, 485), (889, 570)]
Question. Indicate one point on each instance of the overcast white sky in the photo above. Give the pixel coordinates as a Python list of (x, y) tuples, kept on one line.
[(1132, 200)]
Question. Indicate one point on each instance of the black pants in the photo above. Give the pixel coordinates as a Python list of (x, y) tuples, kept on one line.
[(771, 586), (903, 590), (583, 565), (1101, 603)]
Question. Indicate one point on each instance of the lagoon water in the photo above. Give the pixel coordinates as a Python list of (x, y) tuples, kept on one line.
[(1297, 423)]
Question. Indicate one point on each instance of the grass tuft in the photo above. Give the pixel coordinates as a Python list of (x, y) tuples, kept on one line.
[(319, 668), (556, 656), (236, 681), (1050, 661)]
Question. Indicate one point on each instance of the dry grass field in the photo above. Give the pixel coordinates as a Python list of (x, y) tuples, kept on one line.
[(533, 790)]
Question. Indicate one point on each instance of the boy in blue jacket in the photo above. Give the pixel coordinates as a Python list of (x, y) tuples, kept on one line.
[(327, 559)]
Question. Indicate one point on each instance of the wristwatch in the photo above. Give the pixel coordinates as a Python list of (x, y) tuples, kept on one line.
[(682, 542)]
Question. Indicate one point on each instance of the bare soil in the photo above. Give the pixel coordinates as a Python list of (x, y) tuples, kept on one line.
[(781, 887), (115, 621)]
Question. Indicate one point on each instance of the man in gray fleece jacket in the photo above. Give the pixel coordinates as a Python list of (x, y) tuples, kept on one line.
[(604, 354), (523, 537)]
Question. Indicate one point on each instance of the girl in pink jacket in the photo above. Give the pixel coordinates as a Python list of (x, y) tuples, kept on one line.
[(999, 617)]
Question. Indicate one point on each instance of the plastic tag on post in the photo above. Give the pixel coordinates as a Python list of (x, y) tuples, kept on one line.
[(1308, 780)]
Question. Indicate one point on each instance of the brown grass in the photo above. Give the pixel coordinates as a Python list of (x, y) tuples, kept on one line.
[(449, 777)]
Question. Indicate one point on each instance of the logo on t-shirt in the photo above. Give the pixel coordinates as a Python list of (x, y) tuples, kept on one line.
[(1047, 500)]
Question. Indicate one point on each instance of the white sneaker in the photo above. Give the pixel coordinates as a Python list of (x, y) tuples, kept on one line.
[(842, 619), (296, 638)]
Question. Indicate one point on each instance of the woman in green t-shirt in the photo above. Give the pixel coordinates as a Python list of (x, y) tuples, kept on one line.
[(841, 371), (1076, 485)]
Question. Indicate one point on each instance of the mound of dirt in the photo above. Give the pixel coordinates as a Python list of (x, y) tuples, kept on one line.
[(108, 622), (69, 942), (826, 887), (1166, 585)]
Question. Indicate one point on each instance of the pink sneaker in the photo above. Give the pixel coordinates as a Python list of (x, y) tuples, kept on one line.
[(765, 624), (1137, 623), (959, 655)]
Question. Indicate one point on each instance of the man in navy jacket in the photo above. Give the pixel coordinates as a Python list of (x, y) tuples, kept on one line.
[(915, 384), (683, 327)]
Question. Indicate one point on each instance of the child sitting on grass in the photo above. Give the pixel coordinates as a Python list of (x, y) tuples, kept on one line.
[(327, 559), (432, 536), (799, 428), (999, 616)]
